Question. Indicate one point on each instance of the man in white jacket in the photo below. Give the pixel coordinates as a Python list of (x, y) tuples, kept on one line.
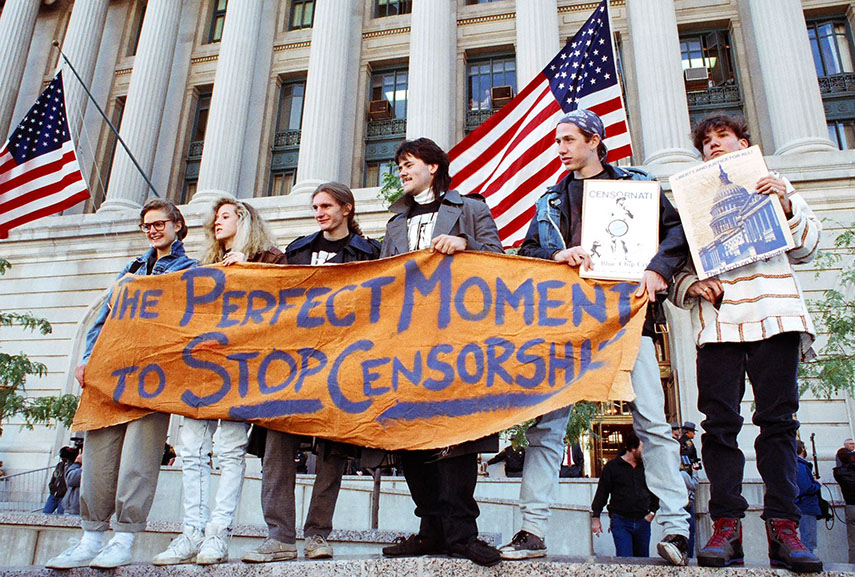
[(751, 321)]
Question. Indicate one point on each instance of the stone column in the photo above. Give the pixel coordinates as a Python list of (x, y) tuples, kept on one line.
[(219, 172), (81, 44), (537, 37), (329, 110), (663, 109), (788, 77), (431, 88), (144, 107), (17, 23)]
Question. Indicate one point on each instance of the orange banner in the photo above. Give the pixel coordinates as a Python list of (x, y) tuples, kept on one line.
[(416, 351)]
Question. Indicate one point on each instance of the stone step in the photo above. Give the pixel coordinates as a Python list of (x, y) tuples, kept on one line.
[(369, 566)]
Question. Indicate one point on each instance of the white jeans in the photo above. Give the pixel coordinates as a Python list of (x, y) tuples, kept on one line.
[(195, 450), (661, 453)]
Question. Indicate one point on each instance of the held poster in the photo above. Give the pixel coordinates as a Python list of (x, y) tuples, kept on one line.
[(620, 227), (727, 223)]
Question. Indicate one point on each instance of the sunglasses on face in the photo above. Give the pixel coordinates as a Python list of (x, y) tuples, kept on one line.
[(157, 225)]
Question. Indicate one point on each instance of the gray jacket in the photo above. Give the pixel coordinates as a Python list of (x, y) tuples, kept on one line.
[(458, 216), (71, 501)]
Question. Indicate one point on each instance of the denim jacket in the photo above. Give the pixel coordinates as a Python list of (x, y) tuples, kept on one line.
[(176, 260), (550, 232), (548, 223)]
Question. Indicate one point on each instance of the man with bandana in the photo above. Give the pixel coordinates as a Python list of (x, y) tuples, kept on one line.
[(555, 234)]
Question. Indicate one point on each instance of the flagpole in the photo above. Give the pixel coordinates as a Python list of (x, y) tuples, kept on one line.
[(107, 120)]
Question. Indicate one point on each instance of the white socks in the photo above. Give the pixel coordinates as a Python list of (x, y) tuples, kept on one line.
[(124, 539), (92, 540)]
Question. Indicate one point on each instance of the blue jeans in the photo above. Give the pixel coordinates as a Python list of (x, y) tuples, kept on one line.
[(807, 531), (53, 504), (661, 453), (691, 543), (632, 537)]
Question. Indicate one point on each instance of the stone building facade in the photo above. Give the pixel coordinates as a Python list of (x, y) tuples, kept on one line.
[(266, 98)]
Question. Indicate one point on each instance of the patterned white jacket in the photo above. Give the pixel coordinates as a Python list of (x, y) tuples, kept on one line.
[(761, 299)]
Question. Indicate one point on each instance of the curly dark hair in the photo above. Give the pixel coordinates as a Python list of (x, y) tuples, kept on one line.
[(716, 122)]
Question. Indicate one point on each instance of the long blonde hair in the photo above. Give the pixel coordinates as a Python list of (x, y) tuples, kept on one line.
[(253, 235)]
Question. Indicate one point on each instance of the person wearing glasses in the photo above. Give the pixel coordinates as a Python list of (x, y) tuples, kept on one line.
[(234, 232), (123, 461)]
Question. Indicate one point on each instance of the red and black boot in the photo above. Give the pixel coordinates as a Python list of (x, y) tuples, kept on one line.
[(787, 550), (725, 546)]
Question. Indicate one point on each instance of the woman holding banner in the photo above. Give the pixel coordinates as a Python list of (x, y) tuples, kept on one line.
[(122, 462), (234, 232), (339, 240)]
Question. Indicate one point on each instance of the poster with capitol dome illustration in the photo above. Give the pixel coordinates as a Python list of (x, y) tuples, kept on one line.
[(620, 227), (727, 223)]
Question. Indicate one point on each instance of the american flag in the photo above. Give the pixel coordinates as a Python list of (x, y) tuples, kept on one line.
[(39, 173), (511, 158)]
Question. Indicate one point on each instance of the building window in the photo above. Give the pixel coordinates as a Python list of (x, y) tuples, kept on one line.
[(831, 46), (375, 170), (387, 121), (194, 150), (137, 29), (302, 13), (473, 2), (709, 74), (390, 86), (842, 133), (286, 142), (392, 7), (281, 182), (218, 18), (492, 82), (832, 50)]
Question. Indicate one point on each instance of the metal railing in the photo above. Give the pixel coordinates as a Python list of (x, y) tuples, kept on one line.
[(394, 127), (715, 95), (25, 491), (837, 84), (475, 118)]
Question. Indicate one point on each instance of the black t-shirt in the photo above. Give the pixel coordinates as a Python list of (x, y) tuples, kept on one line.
[(575, 191), (324, 250), (416, 209)]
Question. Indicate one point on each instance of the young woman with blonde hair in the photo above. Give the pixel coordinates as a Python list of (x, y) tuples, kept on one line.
[(234, 232)]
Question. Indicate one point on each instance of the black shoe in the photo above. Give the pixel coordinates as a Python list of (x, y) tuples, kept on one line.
[(412, 546), (674, 549), (477, 551)]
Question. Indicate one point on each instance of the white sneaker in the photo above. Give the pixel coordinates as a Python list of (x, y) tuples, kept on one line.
[(271, 550), (112, 556), (215, 549), (316, 547), (78, 555), (182, 549)]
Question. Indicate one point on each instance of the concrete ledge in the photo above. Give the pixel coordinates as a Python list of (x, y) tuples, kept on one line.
[(375, 566), (32, 539)]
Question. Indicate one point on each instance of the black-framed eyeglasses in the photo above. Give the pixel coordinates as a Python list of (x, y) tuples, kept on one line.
[(157, 225)]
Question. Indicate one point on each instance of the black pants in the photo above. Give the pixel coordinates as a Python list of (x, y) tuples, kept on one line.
[(771, 365), (443, 491)]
